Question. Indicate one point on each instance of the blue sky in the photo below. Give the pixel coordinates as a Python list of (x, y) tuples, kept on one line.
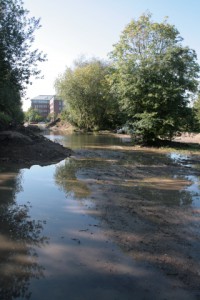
[(71, 28)]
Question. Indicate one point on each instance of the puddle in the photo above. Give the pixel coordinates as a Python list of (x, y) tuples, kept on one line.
[(181, 159), (177, 157), (194, 190)]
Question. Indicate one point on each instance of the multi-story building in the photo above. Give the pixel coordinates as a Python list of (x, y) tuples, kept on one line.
[(56, 105), (47, 104)]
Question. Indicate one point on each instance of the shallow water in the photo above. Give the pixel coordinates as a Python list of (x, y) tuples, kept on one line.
[(79, 140), (50, 248)]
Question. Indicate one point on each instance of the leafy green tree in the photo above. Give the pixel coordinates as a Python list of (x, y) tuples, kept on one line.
[(86, 92), (18, 60), (153, 77), (32, 115), (196, 113), (52, 117)]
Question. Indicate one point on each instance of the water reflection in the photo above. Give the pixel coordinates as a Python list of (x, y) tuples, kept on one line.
[(104, 159), (164, 196), (65, 178), (10, 184), (194, 190), (79, 140), (178, 157), (19, 235), (127, 175)]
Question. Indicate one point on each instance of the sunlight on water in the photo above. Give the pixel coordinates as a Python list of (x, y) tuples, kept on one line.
[(178, 157), (194, 190)]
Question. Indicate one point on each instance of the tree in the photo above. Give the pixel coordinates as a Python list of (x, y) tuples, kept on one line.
[(51, 117), (32, 115), (86, 92), (153, 77), (18, 62), (196, 113)]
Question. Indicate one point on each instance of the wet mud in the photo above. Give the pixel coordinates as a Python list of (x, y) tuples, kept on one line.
[(26, 146), (149, 204)]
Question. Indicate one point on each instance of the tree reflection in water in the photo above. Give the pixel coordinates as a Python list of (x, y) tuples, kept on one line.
[(19, 235), (66, 179)]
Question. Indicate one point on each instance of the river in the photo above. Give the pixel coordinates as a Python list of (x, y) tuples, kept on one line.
[(55, 243)]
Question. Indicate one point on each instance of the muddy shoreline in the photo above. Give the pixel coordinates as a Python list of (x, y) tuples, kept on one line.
[(146, 209), (26, 146)]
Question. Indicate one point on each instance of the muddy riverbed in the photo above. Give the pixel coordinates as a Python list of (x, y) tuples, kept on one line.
[(149, 201), (117, 222)]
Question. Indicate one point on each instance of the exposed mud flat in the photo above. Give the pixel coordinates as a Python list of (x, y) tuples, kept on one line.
[(147, 204)]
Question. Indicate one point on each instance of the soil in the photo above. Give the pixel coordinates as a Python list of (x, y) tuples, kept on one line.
[(62, 126), (146, 209), (25, 146), (188, 138)]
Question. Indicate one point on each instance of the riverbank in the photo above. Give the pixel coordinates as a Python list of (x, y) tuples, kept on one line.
[(26, 146), (183, 140)]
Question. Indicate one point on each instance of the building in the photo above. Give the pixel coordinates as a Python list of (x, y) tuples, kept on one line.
[(41, 104), (56, 105), (47, 104)]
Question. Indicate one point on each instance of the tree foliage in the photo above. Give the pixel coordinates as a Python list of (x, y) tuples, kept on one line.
[(86, 92), (153, 77), (32, 115), (18, 60), (196, 113)]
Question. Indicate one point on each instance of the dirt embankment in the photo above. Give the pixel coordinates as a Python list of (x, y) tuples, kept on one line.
[(26, 146), (62, 126)]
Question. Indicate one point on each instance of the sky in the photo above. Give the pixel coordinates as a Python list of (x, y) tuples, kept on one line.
[(74, 28)]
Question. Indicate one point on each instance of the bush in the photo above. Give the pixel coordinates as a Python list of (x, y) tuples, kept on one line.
[(5, 120)]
